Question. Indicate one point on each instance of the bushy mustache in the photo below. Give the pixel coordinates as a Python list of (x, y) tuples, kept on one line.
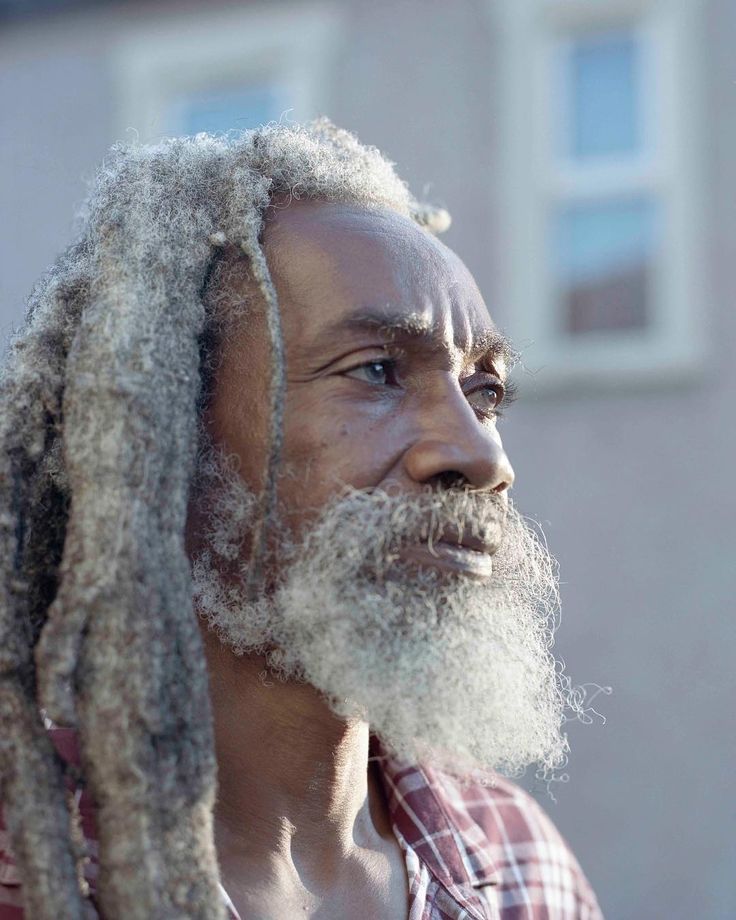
[(395, 521)]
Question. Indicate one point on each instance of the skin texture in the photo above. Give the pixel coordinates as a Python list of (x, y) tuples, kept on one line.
[(301, 825)]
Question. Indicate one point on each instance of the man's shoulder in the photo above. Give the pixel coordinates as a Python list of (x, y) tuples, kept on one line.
[(503, 812), (509, 842)]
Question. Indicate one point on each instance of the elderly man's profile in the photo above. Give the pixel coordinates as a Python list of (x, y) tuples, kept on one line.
[(269, 622)]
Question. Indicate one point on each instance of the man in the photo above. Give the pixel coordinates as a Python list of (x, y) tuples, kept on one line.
[(261, 388)]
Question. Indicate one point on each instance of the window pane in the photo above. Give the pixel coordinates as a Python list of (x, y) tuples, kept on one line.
[(220, 110), (604, 262), (605, 96)]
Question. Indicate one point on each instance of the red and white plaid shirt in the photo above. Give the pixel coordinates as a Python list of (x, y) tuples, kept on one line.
[(473, 851)]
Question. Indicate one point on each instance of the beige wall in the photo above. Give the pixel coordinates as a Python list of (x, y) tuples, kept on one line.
[(634, 486)]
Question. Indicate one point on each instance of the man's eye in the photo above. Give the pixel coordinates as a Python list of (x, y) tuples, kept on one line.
[(486, 400), (376, 372)]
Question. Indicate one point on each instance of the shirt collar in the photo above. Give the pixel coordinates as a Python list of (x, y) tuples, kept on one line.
[(425, 817)]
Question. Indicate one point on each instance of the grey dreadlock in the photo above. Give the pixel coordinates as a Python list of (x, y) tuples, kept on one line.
[(99, 426)]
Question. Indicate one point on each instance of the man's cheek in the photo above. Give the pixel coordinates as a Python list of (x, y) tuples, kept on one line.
[(315, 468)]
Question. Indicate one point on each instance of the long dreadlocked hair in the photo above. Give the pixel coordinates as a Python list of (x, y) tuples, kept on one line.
[(101, 397)]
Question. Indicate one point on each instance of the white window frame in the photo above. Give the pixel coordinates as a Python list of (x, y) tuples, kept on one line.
[(533, 177), (157, 61)]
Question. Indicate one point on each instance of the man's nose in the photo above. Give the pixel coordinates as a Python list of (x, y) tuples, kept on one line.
[(455, 444)]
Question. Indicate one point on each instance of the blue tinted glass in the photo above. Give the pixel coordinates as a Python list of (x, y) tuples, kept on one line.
[(605, 92), (604, 257), (218, 111)]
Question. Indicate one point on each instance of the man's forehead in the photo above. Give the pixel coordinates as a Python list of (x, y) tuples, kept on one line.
[(341, 269)]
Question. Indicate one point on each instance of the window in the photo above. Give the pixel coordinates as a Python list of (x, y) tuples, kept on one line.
[(219, 109), (603, 263), (600, 187), (225, 69), (604, 89)]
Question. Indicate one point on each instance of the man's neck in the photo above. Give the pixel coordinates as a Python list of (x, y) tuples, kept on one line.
[(294, 788)]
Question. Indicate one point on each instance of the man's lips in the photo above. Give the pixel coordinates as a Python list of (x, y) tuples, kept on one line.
[(456, 553)]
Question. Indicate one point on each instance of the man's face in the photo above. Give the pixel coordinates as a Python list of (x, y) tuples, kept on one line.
[(394, 369), (401, 583)]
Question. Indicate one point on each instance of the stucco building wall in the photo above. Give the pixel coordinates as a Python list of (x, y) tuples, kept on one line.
[(633, 483)]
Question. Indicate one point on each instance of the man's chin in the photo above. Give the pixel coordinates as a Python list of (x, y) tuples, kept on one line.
[(459, 683)]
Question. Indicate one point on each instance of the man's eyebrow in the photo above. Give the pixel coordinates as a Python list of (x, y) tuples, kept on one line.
[(494, 345), (489, 345), (389, 323)]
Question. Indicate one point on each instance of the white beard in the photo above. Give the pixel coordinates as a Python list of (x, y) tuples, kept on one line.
[(445, 669)]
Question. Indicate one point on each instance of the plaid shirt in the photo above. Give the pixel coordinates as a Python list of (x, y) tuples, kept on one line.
[(474, 850)]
